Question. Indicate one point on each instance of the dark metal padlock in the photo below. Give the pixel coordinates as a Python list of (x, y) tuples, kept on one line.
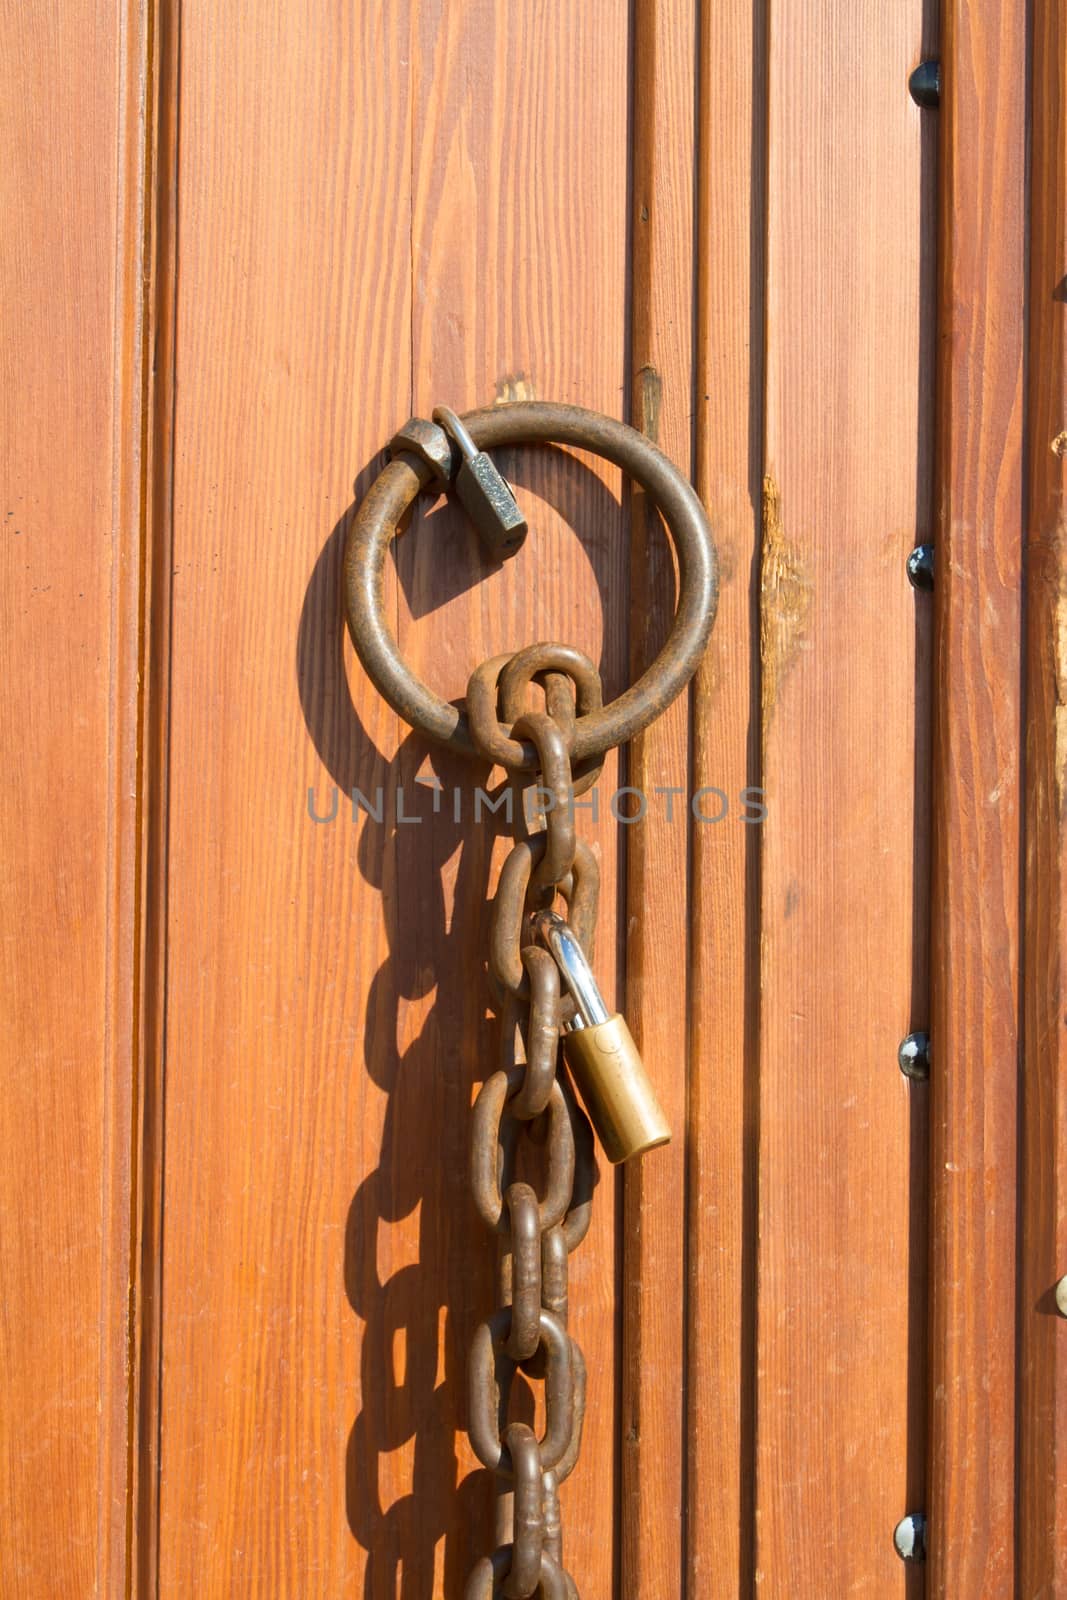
[(483, 493)]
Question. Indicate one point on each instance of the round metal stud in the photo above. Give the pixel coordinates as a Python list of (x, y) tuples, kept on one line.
[(909, 1537), (914, 1056), (924, 85), (921, 567)]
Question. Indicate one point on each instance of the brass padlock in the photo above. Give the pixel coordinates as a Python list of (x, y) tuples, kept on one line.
[(602, 1055), (484, 494)]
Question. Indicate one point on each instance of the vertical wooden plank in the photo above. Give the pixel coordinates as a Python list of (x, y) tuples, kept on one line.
[(160, 250), (843, 501), (70, 280), (322, 1264), (653, 1530), (976, 891), (1042, 1470), (292, 347), (518, 238), (724, 950), (123, 1054)]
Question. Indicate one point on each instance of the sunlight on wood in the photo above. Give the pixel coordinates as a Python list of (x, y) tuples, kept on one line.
[(442, 1336), (397, 1244), (396, 1474), (400, 1356)]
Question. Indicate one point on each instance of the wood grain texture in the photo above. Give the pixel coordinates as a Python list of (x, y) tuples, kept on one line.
[(654, 1406), (976, 889), (519, 291), (325, 1014), (70, 282), (840, 1299), (158, 373), (724, 943), (292, 343), (1042, 1467), (241, 1266)]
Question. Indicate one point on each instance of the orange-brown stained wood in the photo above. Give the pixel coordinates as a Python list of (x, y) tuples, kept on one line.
[(292, 345), (653, 1526), (518, 268), (1042, 1469), (976, 804), (724, 913), (841, 1307), (160, 221), (323, 1266), (70, 282), (363, 213)]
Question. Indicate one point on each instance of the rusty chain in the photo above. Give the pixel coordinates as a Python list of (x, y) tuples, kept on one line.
[(526, 1115), (528, 1101)]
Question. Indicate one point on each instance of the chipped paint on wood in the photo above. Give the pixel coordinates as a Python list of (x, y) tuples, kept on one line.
[(785, 599), (649, 401), (514, 386), (1060, 668)]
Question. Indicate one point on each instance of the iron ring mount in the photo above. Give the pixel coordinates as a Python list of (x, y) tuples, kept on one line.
[(534, 422)]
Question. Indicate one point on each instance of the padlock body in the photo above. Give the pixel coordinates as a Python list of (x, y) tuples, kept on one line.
[(490, 505), (615, 1087)]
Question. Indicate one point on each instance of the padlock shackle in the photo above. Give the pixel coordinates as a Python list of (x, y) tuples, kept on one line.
[(562, 941), (456, 429)]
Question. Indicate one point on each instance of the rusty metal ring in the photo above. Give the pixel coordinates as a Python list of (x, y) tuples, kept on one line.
[(507, 676), (520, 670), (569, 1459), (542, 1035), (555, 1271), (524, 1236), (572, 688), (490, 1372), (528, 1516), (557, 789), (507, 934), (536, 422), (488, 1138), (488, 1573)]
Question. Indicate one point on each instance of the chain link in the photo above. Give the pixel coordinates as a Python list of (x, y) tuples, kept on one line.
[(526, 1108), (528, 1101)]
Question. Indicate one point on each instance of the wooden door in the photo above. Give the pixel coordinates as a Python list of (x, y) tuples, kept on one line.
[(246, 1015)]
